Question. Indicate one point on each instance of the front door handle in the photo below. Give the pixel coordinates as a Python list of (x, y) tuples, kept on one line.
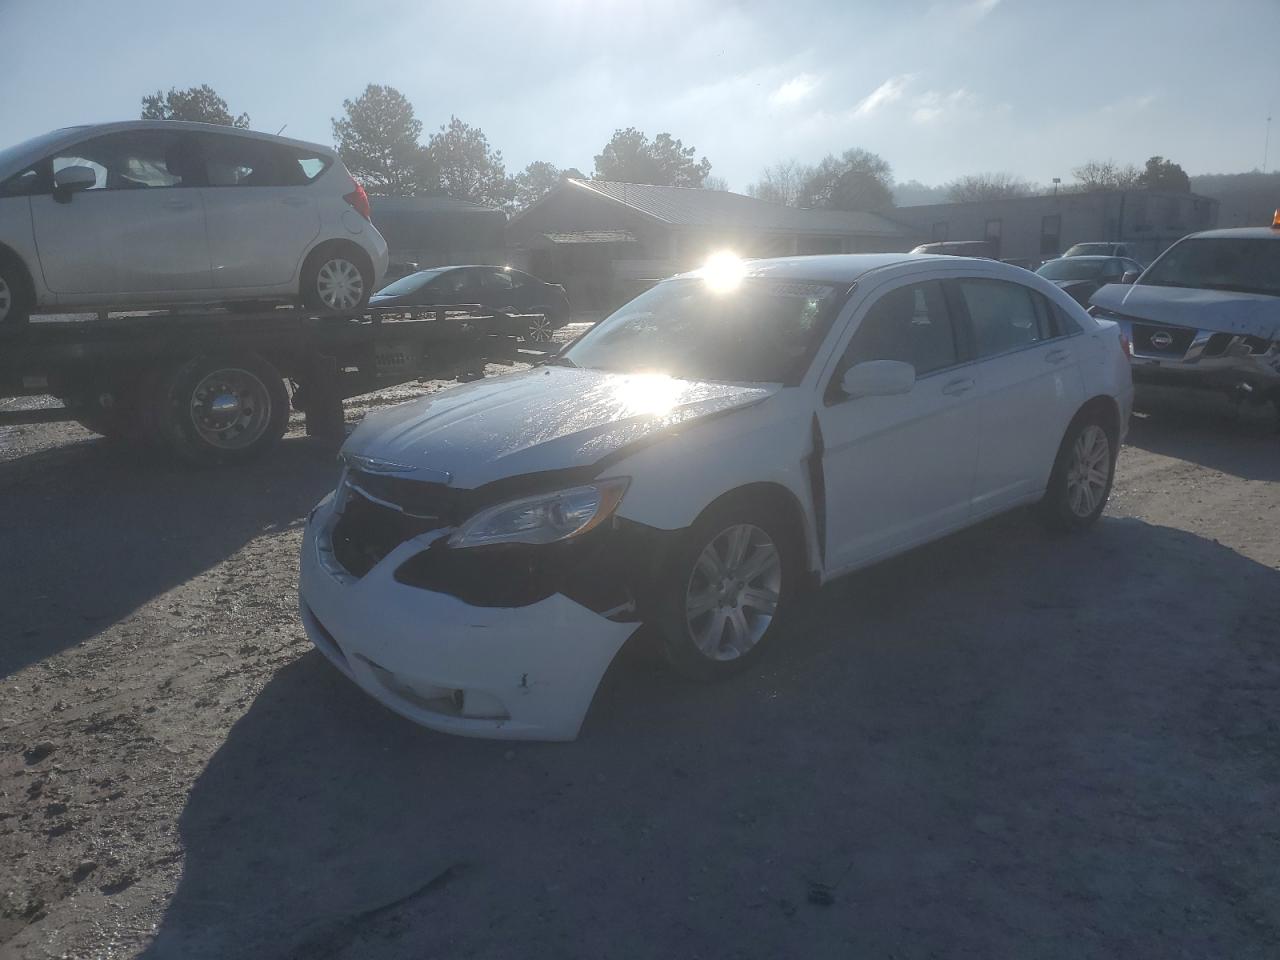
[(176, 204), (957, 387), (294, 201), (1056, 356)]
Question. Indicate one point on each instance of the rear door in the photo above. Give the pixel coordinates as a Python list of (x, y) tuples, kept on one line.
[(261, 209), (898, 470), (138, 231), (1031, 387)]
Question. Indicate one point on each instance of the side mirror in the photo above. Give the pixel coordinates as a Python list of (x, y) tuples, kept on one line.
[(71, 180), (878, 378), (1130, 276)]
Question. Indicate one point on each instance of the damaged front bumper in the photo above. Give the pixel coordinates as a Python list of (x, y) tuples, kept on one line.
[(511, 669), (1183, 356)]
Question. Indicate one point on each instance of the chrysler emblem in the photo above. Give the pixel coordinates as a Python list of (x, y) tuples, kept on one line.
[(1162, 339)]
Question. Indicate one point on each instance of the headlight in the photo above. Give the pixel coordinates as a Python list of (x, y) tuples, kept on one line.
[(546, 518)]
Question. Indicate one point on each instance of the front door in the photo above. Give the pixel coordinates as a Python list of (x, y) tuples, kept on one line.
[(138, 231), (261, 211), (898, 470)]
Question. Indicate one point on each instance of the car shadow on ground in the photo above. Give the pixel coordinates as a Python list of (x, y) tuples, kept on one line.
[(1207, 429), (91, 530), (962, 752)]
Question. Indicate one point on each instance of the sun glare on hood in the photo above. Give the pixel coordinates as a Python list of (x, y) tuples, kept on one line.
[(647, 393), (723, 271)]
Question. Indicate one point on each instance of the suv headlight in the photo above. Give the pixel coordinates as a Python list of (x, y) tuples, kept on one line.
[(546, 518)]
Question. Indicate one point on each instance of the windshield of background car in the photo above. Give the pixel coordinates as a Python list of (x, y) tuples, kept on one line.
[(762, 331), (1089, 250), (410, 284), (1073, 269), (1241, 264)]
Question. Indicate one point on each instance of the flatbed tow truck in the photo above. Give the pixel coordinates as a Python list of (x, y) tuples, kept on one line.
[(215, 387)]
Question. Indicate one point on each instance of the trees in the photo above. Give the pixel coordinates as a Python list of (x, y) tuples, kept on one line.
[(535, 181), (201, 104), (715, 183), (781, 183), (1106, 175), (856, 180), (378, 141), (469, 168), (1162, 174), (631, 156), (987, 186)]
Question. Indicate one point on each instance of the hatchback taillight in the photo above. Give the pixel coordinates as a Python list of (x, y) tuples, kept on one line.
[(358, 199)]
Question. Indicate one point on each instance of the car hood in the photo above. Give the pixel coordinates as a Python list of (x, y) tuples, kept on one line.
[(548, 418), (1222, 311)]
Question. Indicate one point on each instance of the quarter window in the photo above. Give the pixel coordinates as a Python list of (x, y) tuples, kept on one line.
[(909, 324), (1005, 316)]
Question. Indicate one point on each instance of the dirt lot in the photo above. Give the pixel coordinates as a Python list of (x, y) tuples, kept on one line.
[(1002, 745)]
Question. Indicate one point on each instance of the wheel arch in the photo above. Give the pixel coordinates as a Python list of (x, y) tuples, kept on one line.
[(770, 496), (1105, 407), (337, 243)]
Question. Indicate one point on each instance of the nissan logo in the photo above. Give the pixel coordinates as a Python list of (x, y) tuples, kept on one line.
[(1162, 339)]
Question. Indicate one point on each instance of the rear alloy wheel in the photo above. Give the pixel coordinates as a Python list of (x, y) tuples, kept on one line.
[(728, 587), (541, 329), (1082, 477), (333, 281)]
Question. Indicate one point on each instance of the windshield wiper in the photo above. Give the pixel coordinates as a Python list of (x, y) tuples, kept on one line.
[(558, 360)]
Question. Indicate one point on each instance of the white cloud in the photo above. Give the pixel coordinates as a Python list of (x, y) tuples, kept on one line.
[(933, 105), (796, 89), (889, 91)]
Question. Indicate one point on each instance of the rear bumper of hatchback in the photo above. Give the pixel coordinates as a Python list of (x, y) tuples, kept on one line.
[(519, 673)]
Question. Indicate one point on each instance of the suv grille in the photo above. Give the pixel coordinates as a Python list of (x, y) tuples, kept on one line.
[(1178, 340)]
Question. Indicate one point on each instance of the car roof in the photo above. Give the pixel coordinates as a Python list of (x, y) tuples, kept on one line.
[(840, 268), (1240, 233), (96, 129)]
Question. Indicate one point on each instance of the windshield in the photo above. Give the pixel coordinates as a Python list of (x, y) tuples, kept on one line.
[(761, 331), (1089, 250), (1075, 268), (1242, 264), (410, 284), (29, 151)]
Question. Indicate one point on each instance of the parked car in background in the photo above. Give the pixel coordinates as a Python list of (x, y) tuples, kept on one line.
[(160, 213), (692, 462), (1081, 276), (1099, 249), (492, 287), (960, 248), (1206, 313)]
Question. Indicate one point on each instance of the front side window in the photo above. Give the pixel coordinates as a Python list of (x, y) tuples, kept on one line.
[(500, 280), (910, 324), (1004, 316), (760, 330), (1240, 264), (135, 160)]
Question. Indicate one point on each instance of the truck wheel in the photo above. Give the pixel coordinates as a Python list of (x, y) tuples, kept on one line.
[(222, 408), (336, 280), (15, 305)]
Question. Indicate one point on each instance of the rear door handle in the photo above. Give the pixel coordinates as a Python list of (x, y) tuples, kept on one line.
[(956, 387), (1056, 356), (294, 201)]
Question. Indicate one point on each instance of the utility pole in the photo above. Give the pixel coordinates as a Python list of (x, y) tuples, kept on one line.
[(1266, 144)]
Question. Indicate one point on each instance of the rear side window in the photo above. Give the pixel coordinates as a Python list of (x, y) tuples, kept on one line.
[(909, 324), (1005, 316), (234, 161)]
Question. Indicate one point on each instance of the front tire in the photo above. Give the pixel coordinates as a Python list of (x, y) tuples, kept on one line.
[(336, 280), (1082, 475), (15, 299), (542, 329), (727, 591)]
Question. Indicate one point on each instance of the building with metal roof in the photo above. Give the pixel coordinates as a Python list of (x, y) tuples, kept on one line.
[(607, 240)]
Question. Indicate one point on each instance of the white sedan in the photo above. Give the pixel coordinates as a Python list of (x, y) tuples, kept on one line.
[(693, 462)]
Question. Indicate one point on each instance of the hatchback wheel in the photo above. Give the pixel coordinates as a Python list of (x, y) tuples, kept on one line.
[(728, 587), (1082, 475), (541, 329), (335, 281), (13, 300)]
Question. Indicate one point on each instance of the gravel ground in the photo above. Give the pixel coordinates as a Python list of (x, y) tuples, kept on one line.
[(1000, 745)]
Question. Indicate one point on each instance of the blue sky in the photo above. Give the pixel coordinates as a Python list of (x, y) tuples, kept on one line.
[(939, 89)]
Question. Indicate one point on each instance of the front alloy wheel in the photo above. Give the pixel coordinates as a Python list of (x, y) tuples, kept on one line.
[(733, 592), (541, 329)]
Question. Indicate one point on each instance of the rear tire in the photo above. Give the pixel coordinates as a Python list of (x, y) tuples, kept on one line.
[(15, 294), (542, 329), (222, 408), (726, 591), (336, 279), (1082, 475)]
